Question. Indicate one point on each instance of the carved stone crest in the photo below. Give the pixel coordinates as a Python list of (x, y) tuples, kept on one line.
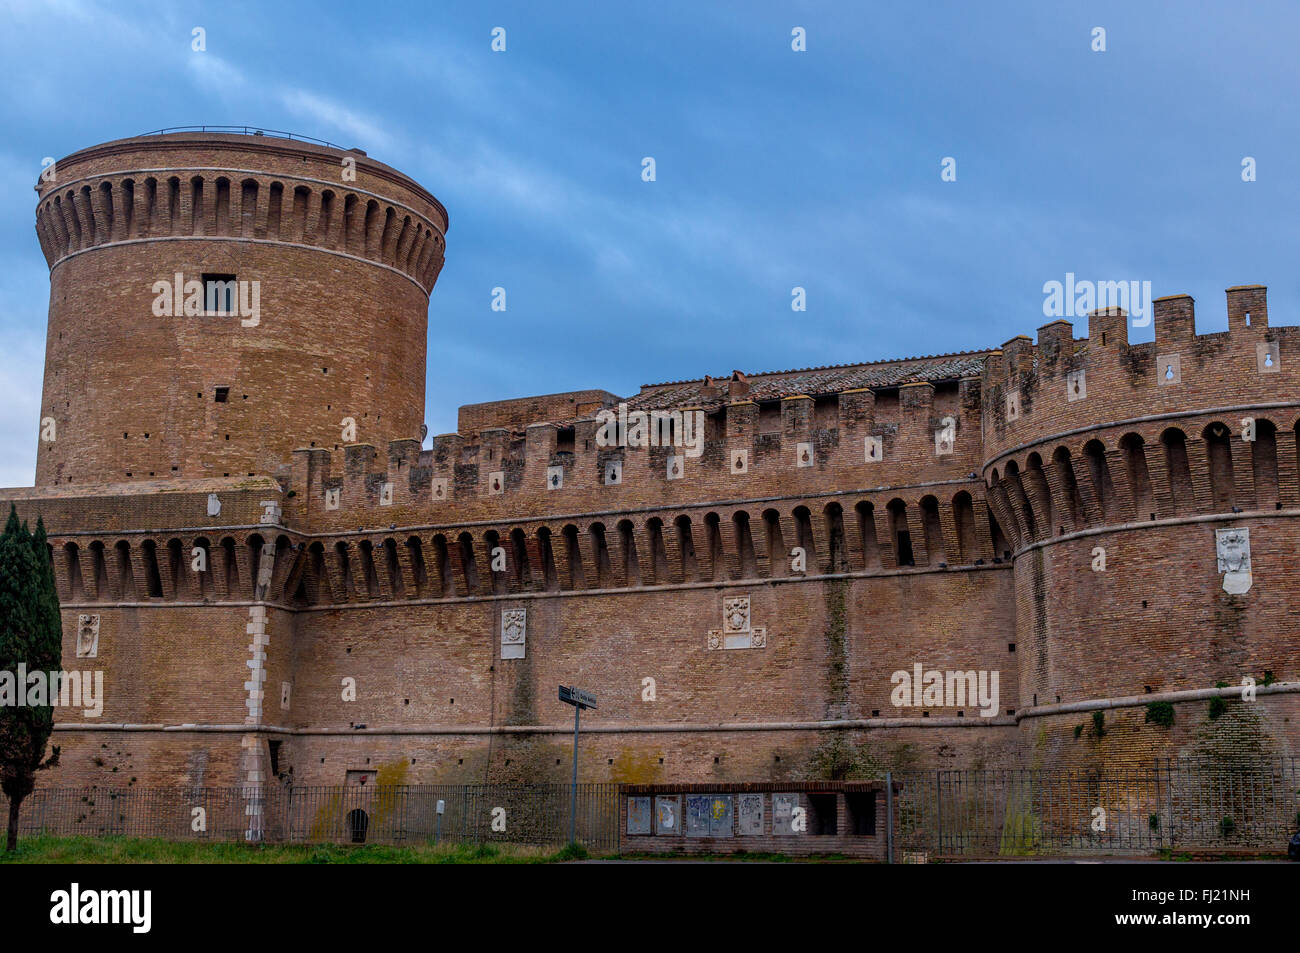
[(735, 614), (1232, 548), (87, 636), (736, 631), (514, 631)]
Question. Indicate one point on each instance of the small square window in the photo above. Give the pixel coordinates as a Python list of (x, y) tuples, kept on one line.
[(219, 294), (223, 395)]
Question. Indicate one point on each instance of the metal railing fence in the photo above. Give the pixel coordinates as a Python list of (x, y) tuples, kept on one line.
[(536, 814), (1167, 805)]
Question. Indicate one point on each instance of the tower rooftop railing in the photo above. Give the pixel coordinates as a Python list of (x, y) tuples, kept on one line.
[(247, 131)]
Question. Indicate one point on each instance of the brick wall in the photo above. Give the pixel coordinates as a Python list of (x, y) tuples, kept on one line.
[(393, 565)]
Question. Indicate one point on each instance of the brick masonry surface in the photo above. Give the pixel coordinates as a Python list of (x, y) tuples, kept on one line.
[(275, 599)]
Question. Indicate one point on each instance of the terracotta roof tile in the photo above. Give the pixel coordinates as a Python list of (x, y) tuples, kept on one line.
[(814, 381)]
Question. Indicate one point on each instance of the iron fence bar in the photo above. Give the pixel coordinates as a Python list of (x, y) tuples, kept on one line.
[(958, 812)]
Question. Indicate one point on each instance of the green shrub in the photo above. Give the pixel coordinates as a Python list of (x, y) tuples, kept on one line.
[(1098, 723), (1226, 826), (1162, 713), (1153, 822), (1078, 730), (1217, 706)]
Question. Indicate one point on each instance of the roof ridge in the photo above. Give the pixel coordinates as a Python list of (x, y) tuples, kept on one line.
[(832, 367)]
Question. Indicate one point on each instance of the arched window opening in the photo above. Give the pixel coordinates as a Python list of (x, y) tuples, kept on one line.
[(419, 571), (1174, 442), (963, 511), (125, 576), (803, 537), (934, 544), (72, 565), (777, 553), (1133, 452), (838, 557), (1263, 458), (658, 551), (393, 569), (1219, 458), (686, 546), (631, 563), (153, 578), (573, 555), (902, 535), (867, 534), (1103, 489), (1072, 519), (468, 567), (604, 561), (546, 553), (747, 562)]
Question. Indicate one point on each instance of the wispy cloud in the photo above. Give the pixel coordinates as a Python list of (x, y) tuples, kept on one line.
[(216, 76), (20, 405), (332, 115)]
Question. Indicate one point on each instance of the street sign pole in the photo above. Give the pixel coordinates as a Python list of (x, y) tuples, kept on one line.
[(579, 699), (573, 799)]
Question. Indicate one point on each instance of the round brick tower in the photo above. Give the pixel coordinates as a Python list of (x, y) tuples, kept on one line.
[(1149, 497), (218, 300)]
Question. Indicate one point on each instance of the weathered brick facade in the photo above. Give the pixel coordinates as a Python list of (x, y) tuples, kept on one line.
[(245, 559)]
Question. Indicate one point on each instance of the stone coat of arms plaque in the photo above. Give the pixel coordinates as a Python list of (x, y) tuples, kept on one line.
[(1232, 550), (514, 632)]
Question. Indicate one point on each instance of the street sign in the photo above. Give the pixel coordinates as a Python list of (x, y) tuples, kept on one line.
[(577, 697), (579, 700)]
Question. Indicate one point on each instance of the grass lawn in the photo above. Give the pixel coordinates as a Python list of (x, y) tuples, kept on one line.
[(129, 850)]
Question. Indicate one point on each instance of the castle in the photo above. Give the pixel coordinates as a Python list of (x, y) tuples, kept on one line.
[(276, 581)]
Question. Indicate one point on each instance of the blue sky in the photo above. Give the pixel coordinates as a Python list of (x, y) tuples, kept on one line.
[(775, 169)]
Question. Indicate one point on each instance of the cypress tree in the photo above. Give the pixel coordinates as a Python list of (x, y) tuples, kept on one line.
[(31, 634)]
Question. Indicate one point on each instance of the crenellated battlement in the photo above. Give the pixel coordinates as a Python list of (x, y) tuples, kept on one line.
[(892, 428), (201, 186), (912, 434), (1062, 385)]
